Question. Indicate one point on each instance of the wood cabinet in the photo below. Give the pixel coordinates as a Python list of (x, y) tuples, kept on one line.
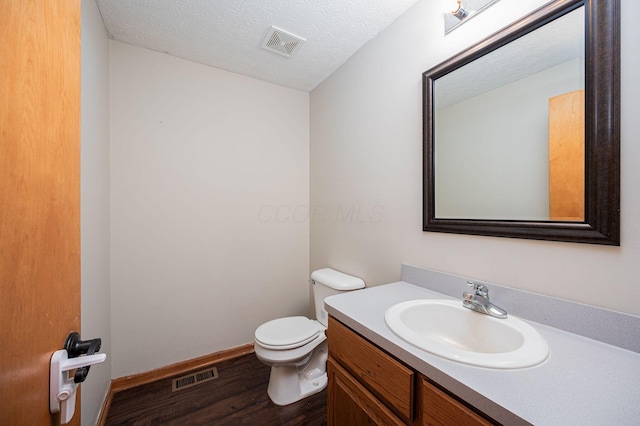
[(439, 408), (350, 403), (367, 386)]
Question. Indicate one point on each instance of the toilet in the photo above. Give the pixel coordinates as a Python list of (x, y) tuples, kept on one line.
[(296, 347)]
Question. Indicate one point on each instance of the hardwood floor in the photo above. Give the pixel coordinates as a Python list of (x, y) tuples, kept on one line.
[(237, 397)]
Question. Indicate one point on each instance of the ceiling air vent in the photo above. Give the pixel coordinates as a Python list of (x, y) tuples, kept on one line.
[(282, 42)]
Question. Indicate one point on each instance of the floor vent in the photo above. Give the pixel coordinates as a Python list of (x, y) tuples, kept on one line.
[(194, 379)]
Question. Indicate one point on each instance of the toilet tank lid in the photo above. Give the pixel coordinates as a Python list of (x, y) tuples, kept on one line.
[(337, 280)]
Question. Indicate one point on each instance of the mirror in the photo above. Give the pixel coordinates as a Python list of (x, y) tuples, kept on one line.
[(521, 131)]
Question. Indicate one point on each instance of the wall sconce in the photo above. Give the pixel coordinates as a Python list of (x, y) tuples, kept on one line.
[(457, 12)]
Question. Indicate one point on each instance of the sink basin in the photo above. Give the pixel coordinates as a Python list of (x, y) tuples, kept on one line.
[(447, 329)]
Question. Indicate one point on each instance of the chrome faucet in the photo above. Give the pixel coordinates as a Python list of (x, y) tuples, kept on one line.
[(478, 301)]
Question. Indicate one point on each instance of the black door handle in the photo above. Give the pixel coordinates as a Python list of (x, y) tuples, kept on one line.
[(76, 347)]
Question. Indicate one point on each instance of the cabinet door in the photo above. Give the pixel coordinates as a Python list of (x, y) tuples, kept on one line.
[(387, 378), (351, 404), (440, 409)]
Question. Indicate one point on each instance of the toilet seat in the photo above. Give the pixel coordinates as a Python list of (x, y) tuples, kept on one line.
[(287, 333)]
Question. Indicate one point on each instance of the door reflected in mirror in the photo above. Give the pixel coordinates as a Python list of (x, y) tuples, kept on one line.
[(509, 129)]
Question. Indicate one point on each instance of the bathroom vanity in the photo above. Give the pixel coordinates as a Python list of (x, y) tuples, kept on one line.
[(367, 385), (375, 377)]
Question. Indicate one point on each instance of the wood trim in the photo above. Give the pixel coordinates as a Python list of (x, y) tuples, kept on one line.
[(128, 382), (106, 405)]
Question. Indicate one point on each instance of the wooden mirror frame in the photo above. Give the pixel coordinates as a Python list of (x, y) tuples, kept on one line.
[(602, 132)]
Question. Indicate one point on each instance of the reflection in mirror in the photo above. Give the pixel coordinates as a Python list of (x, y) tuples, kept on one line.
[(494, 158), (522, 130)]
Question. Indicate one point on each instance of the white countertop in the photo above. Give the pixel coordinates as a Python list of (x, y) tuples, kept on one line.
[(583, 382)]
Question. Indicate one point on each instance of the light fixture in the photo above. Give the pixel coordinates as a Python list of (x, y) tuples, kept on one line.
[(457, 12), (455, 8)]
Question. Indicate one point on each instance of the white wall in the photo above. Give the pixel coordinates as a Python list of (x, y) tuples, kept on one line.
[(366, 151), (95, 223), (206, 168)]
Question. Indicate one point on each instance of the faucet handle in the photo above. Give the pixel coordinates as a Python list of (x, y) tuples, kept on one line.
[(479, 289)]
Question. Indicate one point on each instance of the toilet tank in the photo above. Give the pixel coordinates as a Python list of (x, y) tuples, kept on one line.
[(327, 282)]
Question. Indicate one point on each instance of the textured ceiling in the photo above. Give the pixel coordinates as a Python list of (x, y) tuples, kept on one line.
[(553, 44), (227, 33)]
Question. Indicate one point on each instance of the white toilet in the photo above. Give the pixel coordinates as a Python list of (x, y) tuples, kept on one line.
[(296, 347)]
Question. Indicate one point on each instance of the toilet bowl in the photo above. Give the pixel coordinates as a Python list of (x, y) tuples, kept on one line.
[(296, 347)]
